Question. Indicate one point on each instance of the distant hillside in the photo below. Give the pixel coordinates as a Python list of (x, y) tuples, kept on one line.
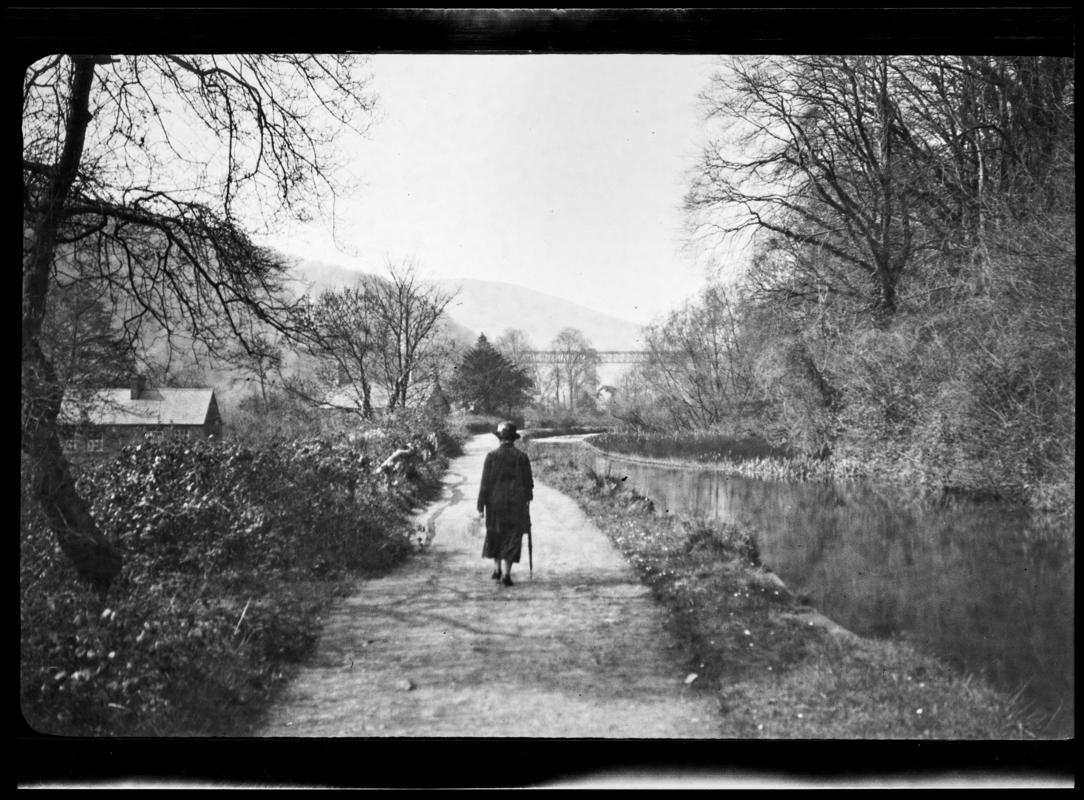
[(319, 275), (492, 307)]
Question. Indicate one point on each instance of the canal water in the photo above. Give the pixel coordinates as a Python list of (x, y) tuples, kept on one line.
[(979, 583)]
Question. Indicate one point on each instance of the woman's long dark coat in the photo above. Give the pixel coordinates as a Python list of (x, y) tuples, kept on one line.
[(505, 494)]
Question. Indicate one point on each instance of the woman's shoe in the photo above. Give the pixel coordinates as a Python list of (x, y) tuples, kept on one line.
[(496, 575), (507, 580)]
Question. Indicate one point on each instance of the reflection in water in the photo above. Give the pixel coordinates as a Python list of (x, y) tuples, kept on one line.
[(977, 583)]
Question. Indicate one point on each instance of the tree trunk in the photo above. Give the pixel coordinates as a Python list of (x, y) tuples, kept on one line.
[(887, 294), (366, 399), (67, 514)]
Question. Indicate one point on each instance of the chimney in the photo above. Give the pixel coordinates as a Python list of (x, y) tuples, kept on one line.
[(137, 385)]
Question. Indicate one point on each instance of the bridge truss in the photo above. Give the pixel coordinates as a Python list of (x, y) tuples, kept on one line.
[(603, 356)]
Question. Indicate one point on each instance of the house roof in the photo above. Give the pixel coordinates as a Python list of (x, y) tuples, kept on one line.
[(350, 397), (154, 407)]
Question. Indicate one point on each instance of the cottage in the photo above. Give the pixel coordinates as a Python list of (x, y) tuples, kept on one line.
[(111, 418)]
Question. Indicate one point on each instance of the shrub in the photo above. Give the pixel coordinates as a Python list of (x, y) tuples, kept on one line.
[(230, 553)]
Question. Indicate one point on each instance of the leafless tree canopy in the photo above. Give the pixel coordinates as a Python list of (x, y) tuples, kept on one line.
[(406, 311), (514, 345), (876, 165), (383, 331), (342, 333), (698, 365), (142, 177), (574, 366), (184, 156), (908, 301)]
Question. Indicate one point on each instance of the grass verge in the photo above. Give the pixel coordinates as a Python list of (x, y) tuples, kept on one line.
[(777, 669)]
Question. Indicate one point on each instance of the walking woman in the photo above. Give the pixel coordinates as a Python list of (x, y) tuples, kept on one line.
[(505, 496)]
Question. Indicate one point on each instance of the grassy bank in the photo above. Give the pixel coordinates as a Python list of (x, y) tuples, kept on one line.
[(777, 669), (232, 555), (746, 458), (701, 447), (548, 433), (752, 457)]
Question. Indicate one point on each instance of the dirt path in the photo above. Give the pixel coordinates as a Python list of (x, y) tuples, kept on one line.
[(439, 649)]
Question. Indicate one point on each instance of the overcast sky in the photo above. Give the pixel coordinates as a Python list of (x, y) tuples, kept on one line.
[(561, 173)]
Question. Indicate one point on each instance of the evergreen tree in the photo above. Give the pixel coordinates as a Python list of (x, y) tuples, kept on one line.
[(487, 382)]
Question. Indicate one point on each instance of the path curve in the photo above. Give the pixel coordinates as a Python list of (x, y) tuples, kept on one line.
[(437, 648)]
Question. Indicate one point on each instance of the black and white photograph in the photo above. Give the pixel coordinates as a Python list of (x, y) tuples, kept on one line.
[(588, 398)]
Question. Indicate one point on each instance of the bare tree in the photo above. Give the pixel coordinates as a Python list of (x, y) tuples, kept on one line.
[(815, 155), (575, 364), (697, 364), (638, 404), (515, 345), (342, 333), (406, 312), (869, 171), (936, 190), (139, 174), (436, 366), (387, 332), (995, 134), (264, 359)]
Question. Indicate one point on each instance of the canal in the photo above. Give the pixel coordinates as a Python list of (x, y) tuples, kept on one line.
[(985, 585)]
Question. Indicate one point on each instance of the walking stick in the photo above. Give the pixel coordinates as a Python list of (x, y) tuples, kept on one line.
[(530, 554)]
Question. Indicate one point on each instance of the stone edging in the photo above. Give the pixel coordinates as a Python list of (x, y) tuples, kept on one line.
[(812, 617), (654, 462)]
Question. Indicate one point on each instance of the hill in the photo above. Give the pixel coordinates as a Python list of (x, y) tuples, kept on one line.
[(492, 307)]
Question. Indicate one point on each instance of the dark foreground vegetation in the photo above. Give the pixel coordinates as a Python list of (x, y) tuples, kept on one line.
[(777, 668), (232, 552)]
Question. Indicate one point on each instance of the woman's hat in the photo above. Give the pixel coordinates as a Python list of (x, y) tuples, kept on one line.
[(506, 432)]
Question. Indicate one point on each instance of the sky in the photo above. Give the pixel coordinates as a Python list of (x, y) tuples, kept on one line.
[(561, 173)]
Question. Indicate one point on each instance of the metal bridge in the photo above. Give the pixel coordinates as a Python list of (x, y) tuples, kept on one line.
[(602, 356)]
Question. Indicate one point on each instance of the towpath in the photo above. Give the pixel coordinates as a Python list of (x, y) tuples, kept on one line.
[(437, 648)]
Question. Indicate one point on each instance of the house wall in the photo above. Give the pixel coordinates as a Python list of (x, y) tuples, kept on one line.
[(212, 425)]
